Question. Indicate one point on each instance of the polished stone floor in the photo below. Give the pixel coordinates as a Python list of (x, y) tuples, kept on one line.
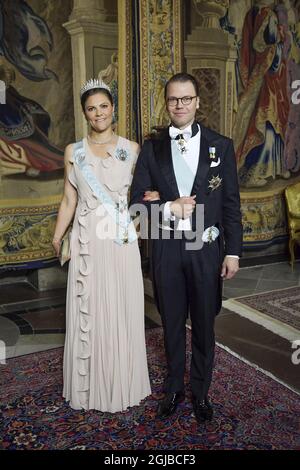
[(32, 321)]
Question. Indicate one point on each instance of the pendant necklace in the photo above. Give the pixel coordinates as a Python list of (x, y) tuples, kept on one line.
[(101, 143)]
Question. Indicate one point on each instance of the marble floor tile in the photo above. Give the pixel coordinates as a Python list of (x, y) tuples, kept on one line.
[(9, 331), (269, 285), (50, 319), (35, 343)]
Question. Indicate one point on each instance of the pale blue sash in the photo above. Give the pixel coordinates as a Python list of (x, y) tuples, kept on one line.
[(126, 229), (184, 175)]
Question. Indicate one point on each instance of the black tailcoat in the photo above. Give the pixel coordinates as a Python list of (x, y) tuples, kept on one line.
[(189, 282)]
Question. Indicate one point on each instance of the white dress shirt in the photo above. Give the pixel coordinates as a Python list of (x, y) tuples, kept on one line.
[(191, 158)]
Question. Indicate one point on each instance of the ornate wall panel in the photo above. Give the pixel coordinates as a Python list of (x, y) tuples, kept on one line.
[(160, 56), (150, 51), (210, 108)]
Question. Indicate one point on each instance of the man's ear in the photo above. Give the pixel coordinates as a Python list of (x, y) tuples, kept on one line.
[(197, 102)]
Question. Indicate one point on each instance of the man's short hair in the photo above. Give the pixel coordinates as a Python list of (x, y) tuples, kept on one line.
[(183, 77)]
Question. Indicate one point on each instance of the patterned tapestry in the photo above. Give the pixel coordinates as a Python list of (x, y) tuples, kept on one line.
[(267, 129), (36, 122), (160, 57), (150, 52), (266, 132)]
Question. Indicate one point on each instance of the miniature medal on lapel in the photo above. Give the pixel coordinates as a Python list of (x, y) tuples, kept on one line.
[(181, 144), (214, 159), (215, 181)]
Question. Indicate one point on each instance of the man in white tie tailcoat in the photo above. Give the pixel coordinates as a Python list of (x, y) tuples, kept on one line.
[(189, 166)]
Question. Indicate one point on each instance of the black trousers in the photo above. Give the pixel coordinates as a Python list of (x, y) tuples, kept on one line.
[(187, 282)]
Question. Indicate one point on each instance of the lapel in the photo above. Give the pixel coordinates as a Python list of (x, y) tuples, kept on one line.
[(203, 163), (163, 156)]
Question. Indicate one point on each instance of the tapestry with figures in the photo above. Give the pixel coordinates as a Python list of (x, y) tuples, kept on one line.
[(266, 130), (36, 123)]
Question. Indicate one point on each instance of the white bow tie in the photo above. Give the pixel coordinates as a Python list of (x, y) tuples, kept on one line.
[(186, 133)]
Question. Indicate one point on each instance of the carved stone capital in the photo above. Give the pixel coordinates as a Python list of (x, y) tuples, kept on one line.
[(211, 11)]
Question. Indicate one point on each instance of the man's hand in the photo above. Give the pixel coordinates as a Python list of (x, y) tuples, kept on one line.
[(151, 196), (230, 267), (183, 207)]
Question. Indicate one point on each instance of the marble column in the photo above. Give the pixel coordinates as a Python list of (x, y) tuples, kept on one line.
[(94, 40), (210, 55)]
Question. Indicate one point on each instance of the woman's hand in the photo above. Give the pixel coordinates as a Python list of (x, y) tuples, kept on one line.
[(151, 196), (56, 242)]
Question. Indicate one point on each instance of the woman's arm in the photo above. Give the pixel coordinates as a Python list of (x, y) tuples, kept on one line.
[(68, 204)]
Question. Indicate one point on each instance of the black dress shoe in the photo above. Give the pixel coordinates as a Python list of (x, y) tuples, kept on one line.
[(167, 406), (202, 409)]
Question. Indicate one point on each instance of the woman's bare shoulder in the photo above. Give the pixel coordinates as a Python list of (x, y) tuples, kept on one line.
[(69, 153), (135, 147)]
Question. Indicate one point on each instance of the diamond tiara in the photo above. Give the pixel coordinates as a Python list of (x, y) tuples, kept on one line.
[(93, 83)]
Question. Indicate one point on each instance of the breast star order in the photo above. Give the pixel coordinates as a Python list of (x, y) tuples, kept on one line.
[(215, 182)]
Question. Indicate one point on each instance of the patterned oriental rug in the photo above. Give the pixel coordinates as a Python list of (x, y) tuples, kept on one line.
[(252, 411), (278, 311)]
